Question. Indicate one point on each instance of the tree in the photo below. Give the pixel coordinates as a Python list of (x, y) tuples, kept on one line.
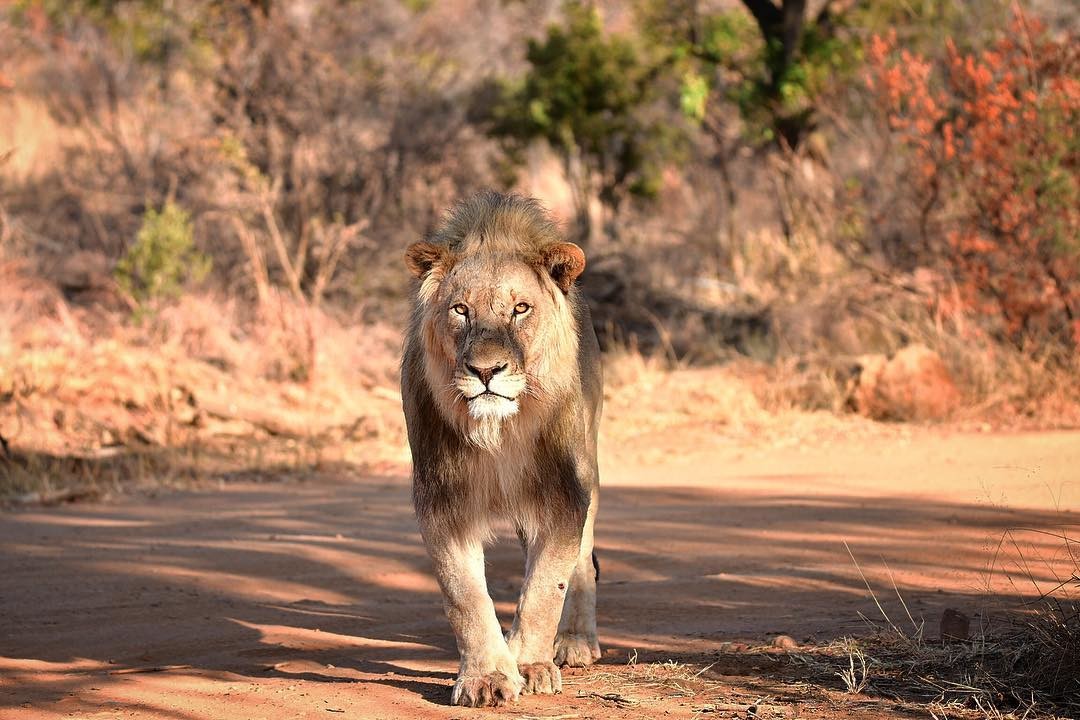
[(773, 62), (796, 51), (584, 94)]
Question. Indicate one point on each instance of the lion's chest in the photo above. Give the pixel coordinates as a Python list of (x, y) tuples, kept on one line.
[(501, 476), (502, 485)]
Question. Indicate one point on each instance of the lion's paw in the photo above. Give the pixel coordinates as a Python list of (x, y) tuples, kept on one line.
[(541, 677), (493, 689), (576, 650)]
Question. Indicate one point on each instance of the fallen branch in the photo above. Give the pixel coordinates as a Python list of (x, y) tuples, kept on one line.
[(620, 700)]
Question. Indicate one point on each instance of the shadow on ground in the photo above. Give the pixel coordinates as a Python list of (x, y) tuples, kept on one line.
[(326, 582)]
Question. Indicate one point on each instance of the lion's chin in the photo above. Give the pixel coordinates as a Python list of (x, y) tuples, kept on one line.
[(492, 407)]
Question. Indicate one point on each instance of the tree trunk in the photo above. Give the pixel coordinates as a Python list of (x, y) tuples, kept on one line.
[(782, 29)]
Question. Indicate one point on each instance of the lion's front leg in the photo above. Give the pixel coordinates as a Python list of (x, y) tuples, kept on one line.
[(550, 560), (488, 674)]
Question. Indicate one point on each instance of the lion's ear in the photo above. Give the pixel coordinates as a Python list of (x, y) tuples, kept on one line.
[(422, 256), (564, 262)]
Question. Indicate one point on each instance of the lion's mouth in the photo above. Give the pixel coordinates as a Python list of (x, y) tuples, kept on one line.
[(490, 393)]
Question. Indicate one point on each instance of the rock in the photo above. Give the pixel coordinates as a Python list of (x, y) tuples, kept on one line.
[(913, 385), (955, 626), (784, 642)]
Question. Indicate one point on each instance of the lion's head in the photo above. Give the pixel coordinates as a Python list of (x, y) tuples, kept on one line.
[(494, 312)]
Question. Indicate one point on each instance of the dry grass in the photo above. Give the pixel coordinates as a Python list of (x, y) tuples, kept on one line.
[(696, 408), (91, 402), (1024, 667), (209, 384), (663, 397), (827, 316), (1021, 660), (1023, 664)]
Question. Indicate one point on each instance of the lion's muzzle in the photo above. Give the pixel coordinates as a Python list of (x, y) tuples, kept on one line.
[(490, 378)]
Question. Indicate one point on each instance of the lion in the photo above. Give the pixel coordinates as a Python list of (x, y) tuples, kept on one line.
[(502, 392)]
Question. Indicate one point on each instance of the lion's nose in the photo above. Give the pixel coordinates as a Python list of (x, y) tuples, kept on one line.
[(486, 373)]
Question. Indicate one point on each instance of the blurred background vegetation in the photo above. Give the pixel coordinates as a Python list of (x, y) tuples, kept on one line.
[(852, 205)]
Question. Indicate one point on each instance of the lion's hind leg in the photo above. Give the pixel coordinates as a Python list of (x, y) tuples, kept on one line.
[(576, 643)]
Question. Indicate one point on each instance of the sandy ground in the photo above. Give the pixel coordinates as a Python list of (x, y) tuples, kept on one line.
[(315, 600)]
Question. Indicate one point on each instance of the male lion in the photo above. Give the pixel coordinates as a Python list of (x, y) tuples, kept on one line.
[(501, 387)]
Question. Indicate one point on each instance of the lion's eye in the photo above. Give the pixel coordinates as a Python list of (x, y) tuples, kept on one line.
[(521, 308), (461, 309)]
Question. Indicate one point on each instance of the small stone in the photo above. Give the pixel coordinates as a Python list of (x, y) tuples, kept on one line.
[(784, 642), (915, 384)]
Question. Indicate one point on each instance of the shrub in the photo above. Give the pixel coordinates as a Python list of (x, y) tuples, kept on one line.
[(163, 256), (585, 93), (994, 141)]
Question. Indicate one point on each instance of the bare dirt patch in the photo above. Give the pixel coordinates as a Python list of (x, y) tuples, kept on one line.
[(314, 599)]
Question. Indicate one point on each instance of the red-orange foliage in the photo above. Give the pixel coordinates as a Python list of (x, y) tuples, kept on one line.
[(995, 141)]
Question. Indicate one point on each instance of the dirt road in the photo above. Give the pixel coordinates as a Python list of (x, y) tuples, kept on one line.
[(315, 600)]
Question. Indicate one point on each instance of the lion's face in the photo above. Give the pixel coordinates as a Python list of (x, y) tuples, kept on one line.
[(497, 329), (490, 316)]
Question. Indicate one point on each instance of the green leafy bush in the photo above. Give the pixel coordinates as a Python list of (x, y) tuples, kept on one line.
[(586, 93), (163, 256), (151, 31)]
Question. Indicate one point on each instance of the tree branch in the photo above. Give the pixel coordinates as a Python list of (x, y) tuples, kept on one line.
[(830, 12), (278, 243)]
